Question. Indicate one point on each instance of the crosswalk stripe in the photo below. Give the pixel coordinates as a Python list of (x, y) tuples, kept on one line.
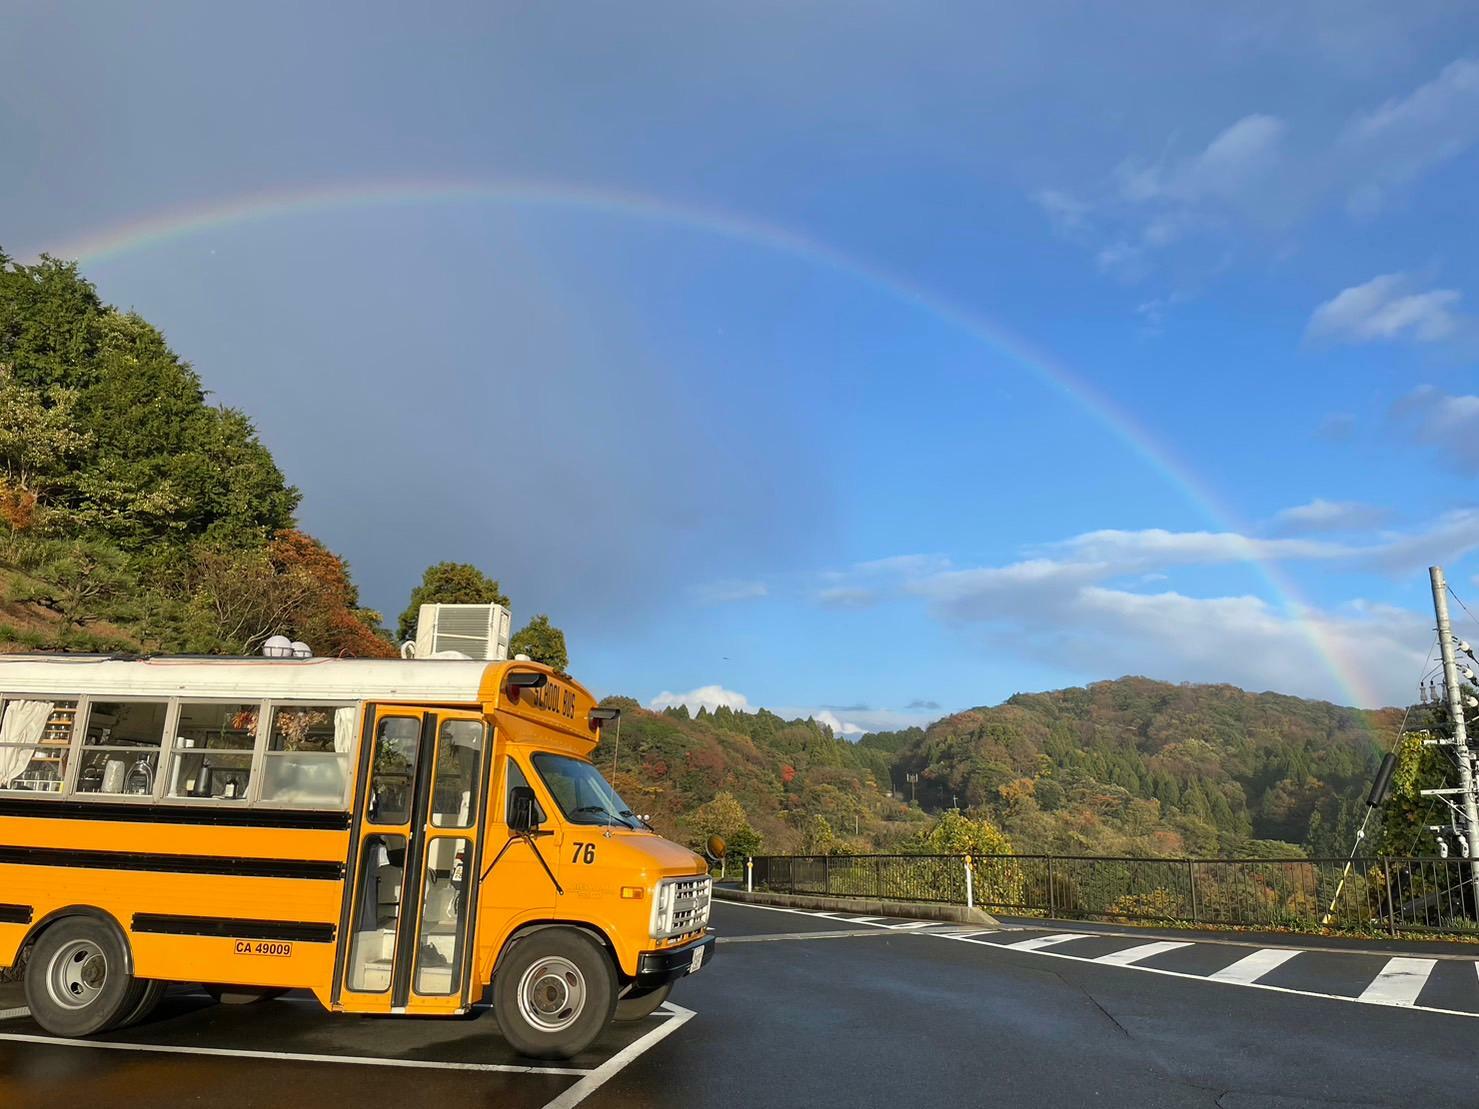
[(1400, 981), (1044, 941), (1142, 951), (1250, 968)]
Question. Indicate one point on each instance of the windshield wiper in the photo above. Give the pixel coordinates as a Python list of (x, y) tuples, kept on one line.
[(604, 811)]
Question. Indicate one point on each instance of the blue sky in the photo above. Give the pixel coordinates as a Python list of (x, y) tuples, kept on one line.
[(868, 361)]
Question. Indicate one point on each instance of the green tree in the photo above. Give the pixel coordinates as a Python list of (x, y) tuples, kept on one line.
[(541, 641), (723, 816), (449, 583)]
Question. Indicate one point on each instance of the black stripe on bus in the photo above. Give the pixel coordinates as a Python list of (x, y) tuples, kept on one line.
[(175, 814), (174, 864), (229, 928), (15, 914)]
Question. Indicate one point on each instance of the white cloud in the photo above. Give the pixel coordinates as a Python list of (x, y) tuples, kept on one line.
[(1066, 213), (1130, 551), (1447, 424), (847, 596), (1386, 308), (705, 696), (1252, 174), (1409, 135), (728, 592), (1236, 163), (1093, 604), (1322, 515), (838, 726)]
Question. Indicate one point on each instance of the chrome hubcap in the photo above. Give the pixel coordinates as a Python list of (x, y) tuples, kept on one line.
[(552, 994), (77, 974)]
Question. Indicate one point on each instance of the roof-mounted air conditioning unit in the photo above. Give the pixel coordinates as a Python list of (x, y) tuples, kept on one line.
[(472, 631)]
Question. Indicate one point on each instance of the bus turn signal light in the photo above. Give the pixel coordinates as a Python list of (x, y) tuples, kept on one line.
[(631, 893)]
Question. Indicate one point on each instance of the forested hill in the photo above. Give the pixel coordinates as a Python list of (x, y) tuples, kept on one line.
[(1139, 766)]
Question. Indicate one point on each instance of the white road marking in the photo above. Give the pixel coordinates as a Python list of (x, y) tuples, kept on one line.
[(1038, 942), (866, 919), (10, 1014), (1144, 951), (909, 924), (1250, 968), (1399, 982), (293, 1056), (594, 1080), (964, 935)]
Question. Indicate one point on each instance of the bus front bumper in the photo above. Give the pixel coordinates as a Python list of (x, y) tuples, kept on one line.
[(658, 968)]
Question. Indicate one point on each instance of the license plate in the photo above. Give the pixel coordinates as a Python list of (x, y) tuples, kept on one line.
[(263, 947), (698, 960)]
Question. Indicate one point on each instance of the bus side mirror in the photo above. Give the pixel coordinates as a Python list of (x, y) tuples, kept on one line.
[(715, 848), (521, 810)]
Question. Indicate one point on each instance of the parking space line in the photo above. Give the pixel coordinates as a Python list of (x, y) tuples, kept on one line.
[(1250, 968), (295, 1056), (1043, 941), (1142, 951), (1399, 982), (677, 1017)]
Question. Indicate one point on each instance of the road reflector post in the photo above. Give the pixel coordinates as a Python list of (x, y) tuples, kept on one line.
[(970, 889), (749, 874)]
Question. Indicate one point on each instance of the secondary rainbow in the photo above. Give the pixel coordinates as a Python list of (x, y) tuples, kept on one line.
[(179, 223)]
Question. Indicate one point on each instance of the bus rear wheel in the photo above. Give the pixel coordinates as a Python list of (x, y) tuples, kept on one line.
[(554, 993), (641, 1003), (76, 981)]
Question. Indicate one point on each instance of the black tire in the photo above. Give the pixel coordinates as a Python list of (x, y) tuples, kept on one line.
[(554, 993), (240, 995), (637, 1004), (149, 991), (76, 981)]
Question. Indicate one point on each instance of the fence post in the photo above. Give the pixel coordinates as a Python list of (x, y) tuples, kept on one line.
[(1191, 883), (878, 877), (1052, 899), (970, 890), (827, 872), (1386, 873), (749, 874)]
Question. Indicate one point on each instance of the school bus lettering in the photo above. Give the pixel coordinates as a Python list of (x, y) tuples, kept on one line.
[(552, 697), (372, 832)]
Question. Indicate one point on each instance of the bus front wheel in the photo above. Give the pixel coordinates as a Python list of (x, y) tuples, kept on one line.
[(76, 979), (554, 993)]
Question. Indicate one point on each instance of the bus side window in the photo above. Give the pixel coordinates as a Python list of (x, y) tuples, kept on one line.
[(120, 752), (35, 742), (396, 742), (307, 757), (516, 778)]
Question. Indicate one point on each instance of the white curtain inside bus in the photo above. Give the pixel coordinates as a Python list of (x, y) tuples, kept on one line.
[(343, 730), (20, 736)]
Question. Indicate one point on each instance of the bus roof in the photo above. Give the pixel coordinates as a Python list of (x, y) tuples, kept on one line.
[(442, 681)]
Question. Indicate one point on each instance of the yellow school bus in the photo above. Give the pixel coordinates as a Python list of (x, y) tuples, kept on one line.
[(403, 836)]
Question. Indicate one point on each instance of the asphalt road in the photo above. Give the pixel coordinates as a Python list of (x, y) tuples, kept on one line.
[(805, 1010)]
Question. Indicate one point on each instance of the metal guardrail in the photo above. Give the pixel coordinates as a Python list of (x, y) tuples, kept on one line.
[(1390, 893)]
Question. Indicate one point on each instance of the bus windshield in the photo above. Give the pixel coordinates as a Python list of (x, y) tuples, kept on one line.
[(582, 794)]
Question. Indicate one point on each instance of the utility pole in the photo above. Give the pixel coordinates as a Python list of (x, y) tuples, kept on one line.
[(1460, 728)]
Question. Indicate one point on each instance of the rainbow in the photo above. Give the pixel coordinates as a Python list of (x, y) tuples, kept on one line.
[(176, 224)]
